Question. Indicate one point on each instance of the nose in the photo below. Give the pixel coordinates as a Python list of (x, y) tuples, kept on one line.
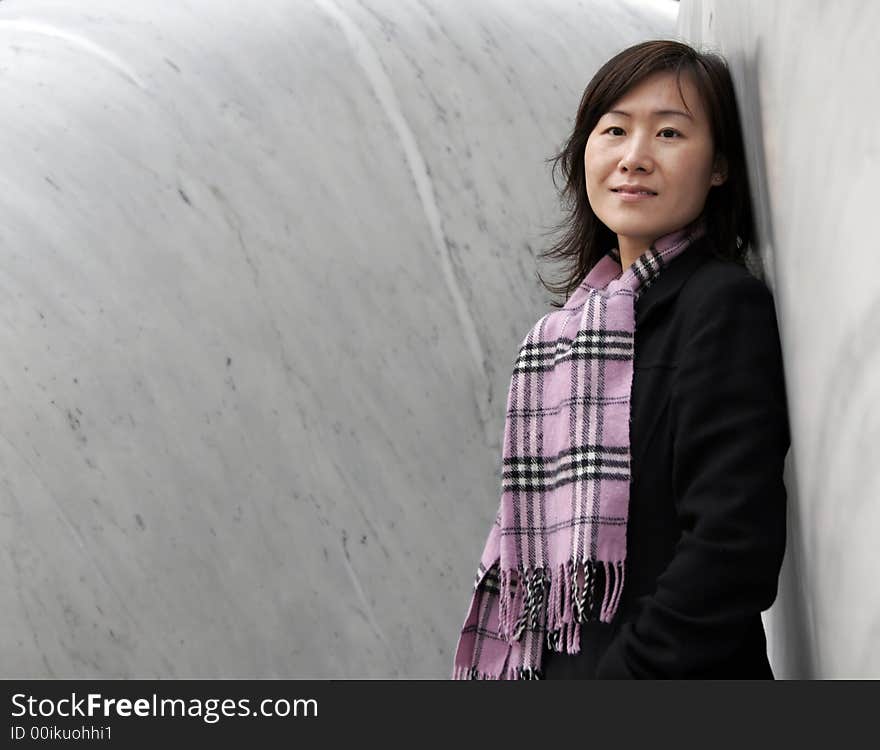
[(636, 156)]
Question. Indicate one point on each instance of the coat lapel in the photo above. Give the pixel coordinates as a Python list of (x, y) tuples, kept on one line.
[(667, 285)]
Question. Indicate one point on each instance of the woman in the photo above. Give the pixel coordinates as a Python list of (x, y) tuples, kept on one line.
[(642, 520)]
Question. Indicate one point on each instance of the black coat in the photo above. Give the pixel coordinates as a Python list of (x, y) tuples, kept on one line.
[(706, 529)]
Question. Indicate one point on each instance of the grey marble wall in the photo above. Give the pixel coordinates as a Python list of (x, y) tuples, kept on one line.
[(264, 271), (806, 78)]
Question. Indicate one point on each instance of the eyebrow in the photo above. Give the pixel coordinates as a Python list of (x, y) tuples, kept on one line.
[(656, 112)]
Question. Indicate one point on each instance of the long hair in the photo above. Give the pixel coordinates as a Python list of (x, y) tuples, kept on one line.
[(728, 207)]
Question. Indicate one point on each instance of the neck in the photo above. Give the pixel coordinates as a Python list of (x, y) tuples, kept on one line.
[(630, 251)]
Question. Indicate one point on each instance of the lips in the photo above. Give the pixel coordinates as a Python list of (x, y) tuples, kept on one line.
[(633, 192)]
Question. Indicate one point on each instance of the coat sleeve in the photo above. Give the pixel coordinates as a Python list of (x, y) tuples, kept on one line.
[(731, 434)]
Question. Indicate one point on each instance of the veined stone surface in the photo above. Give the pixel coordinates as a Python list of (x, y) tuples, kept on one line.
[(806, 75), (264, 271)]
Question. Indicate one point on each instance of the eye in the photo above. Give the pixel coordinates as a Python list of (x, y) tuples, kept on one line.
[(665, 130)]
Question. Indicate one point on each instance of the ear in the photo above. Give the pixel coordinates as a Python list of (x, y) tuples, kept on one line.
[(719, 170)]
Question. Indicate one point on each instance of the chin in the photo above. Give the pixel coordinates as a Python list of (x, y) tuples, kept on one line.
[(633, 228)]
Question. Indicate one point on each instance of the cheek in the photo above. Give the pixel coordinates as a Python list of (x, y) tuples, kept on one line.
[(695, 180), (592, 163), (696, 170), (684, 176)]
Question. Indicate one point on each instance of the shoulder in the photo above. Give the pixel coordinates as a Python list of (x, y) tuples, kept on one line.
[(715, 276), (726, 312), (722, 287)]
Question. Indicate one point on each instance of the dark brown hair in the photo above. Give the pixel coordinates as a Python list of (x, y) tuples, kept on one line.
[(728, 208)]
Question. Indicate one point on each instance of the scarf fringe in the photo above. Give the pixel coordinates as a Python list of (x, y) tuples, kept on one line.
[(512, 673), (578, 591)]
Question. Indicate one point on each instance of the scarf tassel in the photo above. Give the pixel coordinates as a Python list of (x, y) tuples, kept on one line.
[(578, 592), (471, 673), (523, 673), (513, 673)]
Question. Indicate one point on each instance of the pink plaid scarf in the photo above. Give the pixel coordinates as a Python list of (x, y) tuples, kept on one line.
[(555, 554)]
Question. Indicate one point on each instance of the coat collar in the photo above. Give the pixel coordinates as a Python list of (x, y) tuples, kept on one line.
[(670, 280)]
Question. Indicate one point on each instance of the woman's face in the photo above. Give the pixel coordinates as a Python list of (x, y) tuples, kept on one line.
[(669, 154)]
